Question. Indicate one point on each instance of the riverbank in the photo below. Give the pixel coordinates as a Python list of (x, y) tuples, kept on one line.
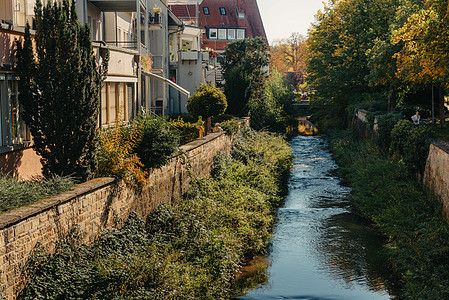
[(387, 193), (188, 251)]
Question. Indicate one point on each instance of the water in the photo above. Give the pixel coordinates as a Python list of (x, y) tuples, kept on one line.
[(320, 250)]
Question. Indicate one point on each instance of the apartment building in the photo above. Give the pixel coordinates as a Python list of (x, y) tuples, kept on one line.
[(136, 33)]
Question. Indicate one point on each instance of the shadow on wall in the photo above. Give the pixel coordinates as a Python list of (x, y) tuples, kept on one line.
[(10, 163), (7, 51)]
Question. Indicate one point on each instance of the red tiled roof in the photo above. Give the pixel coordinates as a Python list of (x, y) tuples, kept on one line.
[(183, 11), (252, 21)]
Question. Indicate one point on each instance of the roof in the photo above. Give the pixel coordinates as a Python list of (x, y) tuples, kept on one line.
[(250, 18)]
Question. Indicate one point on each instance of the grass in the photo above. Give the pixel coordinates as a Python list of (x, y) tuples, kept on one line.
[(15, 193)]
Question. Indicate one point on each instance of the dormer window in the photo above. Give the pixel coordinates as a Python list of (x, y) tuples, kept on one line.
[(206, 10), (223, 11), (240, 14)]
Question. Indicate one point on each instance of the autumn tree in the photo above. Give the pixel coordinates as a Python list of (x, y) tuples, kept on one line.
[(60, 90), (339, 42), (424, 56), (289, 55)]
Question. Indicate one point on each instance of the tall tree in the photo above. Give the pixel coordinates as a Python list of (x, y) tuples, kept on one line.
[(60, 90), (424, 56), (339, 42), (289, 55), (245, 70)]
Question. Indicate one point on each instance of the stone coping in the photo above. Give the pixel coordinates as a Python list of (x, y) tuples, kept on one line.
[(442, 144), (199, 142), (16, 215)]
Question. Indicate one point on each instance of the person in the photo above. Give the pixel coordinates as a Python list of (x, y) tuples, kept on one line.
[(217, 128), (200, 126), (415, 118)]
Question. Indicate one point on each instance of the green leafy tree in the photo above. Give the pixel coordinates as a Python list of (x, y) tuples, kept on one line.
[(424, 56), (244, 65), (339, 43), (60, 86), (208, 101)]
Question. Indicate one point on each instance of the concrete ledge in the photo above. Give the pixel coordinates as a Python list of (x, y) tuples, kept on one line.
[(199, 142)]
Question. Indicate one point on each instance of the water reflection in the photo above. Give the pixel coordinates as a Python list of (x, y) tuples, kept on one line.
[(320, 250)]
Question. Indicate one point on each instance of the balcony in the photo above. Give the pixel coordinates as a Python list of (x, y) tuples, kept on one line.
[(190, 55), (116, 5), (129, 45)]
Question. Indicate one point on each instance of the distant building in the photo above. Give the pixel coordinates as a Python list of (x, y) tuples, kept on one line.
[(223, 21)]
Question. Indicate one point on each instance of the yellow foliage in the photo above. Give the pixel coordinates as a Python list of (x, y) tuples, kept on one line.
[(116, 157)]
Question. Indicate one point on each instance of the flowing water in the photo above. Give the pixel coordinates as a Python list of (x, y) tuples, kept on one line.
[(319, 250)]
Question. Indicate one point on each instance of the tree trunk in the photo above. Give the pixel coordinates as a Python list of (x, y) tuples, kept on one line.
[(391, 100), (208, 125), (441, 102)]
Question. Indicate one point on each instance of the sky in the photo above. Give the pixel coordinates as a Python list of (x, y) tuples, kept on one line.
[(283, 17)]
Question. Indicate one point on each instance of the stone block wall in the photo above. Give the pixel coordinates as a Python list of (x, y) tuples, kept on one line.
[(436, 174), (94, 206)]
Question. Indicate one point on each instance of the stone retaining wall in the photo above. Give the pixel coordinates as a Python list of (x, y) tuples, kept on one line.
[(94, 206), (436, 174)]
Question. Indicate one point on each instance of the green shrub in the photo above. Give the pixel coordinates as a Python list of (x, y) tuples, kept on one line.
[(187, 131), (416, 149), (411, 144), (207, 101), (230, 126), (399, 138), (385, 125), (158, 142), (384, 191), (15, 193)]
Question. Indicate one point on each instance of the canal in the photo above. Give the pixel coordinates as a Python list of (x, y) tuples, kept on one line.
[(320, 250)]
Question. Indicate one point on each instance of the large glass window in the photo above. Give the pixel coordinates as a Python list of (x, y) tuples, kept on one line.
[(240, 34), (222, 34), (213, 34), (231, 34)]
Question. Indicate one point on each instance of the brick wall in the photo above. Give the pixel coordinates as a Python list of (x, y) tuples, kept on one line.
[(94, 205), (436, 174)]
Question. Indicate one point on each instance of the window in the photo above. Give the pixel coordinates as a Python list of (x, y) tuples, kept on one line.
[(19, 131), (231, 34), (130, 100), (222, 34), (240, 34), (213, 34), (206, 10), (223, 11), (115, 105), (240, 14)]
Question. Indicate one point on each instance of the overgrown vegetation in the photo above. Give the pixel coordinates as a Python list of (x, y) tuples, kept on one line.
[(190, 251), (129, 150), (386, 191), (15, 193)]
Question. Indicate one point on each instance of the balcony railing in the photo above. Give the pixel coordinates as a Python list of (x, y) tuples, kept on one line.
[(123, 44)]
